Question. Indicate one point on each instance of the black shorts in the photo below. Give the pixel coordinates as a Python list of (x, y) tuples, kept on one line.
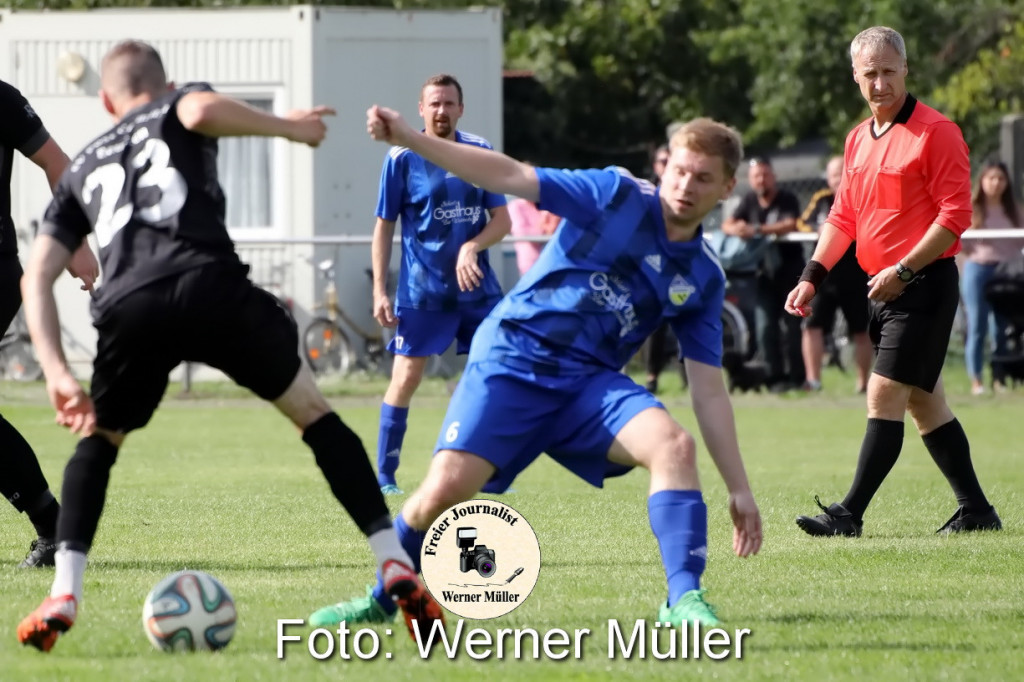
[(10, 289), (213, 315), (911, 334), (846, 291)]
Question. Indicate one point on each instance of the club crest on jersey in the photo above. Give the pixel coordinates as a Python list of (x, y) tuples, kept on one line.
[(679, 290)]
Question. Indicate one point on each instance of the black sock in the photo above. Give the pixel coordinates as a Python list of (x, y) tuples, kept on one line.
[(341, 456), (883, 440), (44, 517), (22, 482), (949, 448), (84, 492)]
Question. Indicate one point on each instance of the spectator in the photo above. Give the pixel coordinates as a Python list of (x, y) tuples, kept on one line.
[(529, 221), (845, 289), (994, 208), (764, 212)]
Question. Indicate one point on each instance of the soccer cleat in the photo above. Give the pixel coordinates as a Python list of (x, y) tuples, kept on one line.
[(837, 520), (40, 553), (692, 608), (42, 627), (391, 489), (359, 610), (964, 522), (420, 609)]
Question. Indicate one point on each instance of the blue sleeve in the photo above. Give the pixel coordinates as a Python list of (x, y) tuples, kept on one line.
[(389, 192), (492, 200), (579, 196), (700, 332)]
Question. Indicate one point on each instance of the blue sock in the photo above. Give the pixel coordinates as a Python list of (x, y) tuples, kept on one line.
[(679, 519), (389, 441), (412, 542)]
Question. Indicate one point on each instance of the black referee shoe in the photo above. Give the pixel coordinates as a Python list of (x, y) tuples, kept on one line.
[(964, 521), (40, 553), (837, 520)]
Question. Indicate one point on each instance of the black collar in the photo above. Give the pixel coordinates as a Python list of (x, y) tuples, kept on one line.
[(902, 116)]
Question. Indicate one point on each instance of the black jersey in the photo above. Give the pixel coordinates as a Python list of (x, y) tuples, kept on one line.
[(21, 129), (148, 188)]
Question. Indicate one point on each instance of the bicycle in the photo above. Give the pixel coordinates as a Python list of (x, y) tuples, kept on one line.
[(325, 344), (18, 360)]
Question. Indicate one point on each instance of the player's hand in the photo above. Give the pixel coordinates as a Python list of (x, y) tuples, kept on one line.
[(383, 311), (84, 266), (309, 127), (798, 302), (886, 285), (467, 268), (74, 407), (746, 522), (386, 125)]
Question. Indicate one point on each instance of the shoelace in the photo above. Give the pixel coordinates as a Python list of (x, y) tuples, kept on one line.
[(823, 508)]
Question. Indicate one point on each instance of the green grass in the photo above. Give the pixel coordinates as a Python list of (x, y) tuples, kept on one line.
[(221, 483)]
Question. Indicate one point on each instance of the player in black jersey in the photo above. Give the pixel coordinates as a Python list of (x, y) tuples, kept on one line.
[(174, 290), (21, 479)]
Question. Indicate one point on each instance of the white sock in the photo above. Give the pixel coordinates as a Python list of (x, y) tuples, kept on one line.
[(70, 568), (385, 546)]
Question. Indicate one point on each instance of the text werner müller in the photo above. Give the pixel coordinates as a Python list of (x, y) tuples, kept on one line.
[(637, 640)]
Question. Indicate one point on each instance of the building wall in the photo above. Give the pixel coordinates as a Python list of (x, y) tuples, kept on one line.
[(297, 57)]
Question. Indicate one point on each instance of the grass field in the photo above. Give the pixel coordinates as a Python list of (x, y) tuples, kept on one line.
[(222, 484)]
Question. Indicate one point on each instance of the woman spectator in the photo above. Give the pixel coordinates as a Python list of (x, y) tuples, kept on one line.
[(994, 208)]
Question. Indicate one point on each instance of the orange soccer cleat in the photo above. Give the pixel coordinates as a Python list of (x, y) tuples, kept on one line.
[(42, 627)]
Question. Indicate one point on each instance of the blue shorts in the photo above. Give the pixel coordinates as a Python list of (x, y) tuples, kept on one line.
[(422, 333), (509, 418)]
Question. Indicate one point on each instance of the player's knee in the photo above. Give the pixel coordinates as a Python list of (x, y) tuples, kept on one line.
[(429, 501), (406, 376), (678, 450)]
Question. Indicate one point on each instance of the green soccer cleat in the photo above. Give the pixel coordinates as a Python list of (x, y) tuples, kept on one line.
[(359, 610), (690, 607)]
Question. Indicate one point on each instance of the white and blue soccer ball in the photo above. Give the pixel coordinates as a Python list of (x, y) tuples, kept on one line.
[(189, 611)]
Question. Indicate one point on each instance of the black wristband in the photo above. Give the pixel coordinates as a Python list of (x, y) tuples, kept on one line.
[(815, 273)]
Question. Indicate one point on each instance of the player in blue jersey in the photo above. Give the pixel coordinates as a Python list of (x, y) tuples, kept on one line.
[(445, 285), (543, 371)]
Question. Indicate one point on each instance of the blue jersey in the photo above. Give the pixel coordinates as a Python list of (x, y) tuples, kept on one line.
[(605, 282), (439, 213)]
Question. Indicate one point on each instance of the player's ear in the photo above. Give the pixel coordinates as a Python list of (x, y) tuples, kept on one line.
[(107, 104)]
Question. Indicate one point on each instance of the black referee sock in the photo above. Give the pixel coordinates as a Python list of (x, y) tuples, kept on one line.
[(951, 451), (341, 456), (84, 492), (883, 440)]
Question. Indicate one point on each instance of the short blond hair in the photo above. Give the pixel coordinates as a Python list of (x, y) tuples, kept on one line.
[(712, 138)]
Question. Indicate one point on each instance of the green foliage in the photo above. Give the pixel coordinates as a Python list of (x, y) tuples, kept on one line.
[(614, 73)]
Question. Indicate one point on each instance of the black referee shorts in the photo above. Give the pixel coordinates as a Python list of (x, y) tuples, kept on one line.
[(911, 334), (213, 315), (846, 291)]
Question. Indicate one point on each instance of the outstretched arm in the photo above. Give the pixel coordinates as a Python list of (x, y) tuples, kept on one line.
[(216, 115), (713, 409), (486, 168)]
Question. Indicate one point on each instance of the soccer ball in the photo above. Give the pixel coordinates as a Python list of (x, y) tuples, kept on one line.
[(189, 611)]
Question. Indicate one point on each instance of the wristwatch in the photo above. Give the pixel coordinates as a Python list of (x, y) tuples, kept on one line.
[(904, 273)]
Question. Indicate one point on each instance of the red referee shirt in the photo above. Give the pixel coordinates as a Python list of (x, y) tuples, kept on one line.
[(897, 184)]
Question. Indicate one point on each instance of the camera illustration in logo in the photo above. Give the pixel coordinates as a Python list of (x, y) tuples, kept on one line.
[(474, 557)]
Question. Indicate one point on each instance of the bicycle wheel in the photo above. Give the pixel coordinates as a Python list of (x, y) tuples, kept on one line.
[(735, 335), (18, 359), (327, 347)]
